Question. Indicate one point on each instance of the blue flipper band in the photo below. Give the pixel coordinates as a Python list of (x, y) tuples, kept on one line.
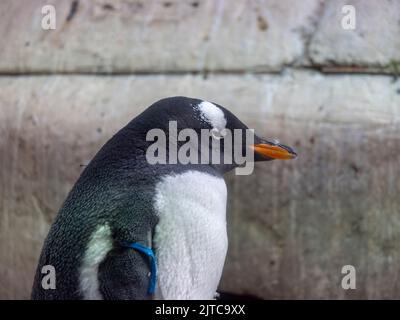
[(153, 264)]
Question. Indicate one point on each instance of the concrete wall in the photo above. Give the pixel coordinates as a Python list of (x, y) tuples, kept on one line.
[(287, 68)]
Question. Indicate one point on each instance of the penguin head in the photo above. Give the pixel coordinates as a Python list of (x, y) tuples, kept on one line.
[(206, 133)]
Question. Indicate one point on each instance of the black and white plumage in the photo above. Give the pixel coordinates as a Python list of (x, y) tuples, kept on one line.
[(178, 210)]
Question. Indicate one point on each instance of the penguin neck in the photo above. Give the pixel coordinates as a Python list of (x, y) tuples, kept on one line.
[(168, 169)]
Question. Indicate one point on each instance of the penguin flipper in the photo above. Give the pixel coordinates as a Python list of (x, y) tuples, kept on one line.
[(124, 275)]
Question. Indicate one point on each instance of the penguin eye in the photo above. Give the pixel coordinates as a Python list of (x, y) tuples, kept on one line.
[(218, 134)]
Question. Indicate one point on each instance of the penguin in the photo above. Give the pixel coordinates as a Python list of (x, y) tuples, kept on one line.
[(132, 229)]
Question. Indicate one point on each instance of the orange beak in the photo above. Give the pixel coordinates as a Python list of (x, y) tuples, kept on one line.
[(274, 151)]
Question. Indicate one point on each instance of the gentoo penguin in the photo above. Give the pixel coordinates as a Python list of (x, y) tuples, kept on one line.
[(133, 229)]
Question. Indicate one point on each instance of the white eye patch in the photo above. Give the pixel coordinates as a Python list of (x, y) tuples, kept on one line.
[(210, 113)]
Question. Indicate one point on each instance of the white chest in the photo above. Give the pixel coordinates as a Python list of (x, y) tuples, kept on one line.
[(190, 238)]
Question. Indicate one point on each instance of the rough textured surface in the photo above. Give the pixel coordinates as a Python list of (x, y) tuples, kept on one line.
[(126, 36), (292, 225), (375, 41), (150, 36)]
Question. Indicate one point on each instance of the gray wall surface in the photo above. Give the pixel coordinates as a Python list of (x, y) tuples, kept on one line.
[(286, 68)]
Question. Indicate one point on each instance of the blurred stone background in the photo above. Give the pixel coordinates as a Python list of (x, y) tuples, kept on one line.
[(287, 68)]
